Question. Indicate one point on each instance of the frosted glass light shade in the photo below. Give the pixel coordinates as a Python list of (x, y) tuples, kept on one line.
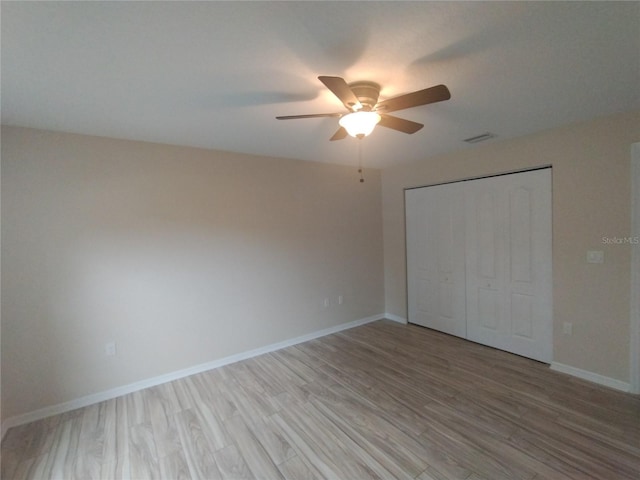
[(359, 123)]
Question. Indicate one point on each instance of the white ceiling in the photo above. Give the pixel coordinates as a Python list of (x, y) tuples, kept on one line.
[(215, 74)]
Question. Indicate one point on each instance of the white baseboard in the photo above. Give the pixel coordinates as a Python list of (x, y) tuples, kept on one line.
[(592, 377), (395, 318), (151, 382)]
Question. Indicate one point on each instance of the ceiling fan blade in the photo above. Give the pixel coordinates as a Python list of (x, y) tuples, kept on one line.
[(343, 91), (339, 135), (415, 99), (311, 115), (400, 124)]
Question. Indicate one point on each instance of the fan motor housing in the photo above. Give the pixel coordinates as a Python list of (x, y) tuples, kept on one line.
[(367, 93)]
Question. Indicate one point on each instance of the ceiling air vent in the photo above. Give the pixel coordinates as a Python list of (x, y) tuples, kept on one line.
[(480, 138)]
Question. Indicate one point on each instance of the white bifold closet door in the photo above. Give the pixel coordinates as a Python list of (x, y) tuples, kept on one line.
[(479, 261), (435, 258), (508, 263)]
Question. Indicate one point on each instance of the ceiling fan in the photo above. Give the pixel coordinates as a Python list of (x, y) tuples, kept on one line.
[(365, 111)]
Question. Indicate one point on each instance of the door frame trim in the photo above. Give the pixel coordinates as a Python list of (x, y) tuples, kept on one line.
[(480, 177), (634, 311)]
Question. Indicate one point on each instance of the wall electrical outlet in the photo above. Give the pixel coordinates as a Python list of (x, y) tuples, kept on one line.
[(567, 328), (110, 349), (340, 300), (326, 303)]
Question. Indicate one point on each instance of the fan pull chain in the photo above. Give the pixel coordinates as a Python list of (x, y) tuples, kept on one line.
[(360, 158)]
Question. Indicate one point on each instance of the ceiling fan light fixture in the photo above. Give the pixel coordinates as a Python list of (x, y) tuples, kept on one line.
[(361, 99), (359, 124)]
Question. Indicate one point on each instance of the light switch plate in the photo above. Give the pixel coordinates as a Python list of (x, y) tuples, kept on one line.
[(595, 256)]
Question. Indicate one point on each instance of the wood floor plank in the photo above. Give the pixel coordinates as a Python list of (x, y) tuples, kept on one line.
[(122, 434), (31, 468), (232, 464), (9, 461), (295, 469), (174, 466), (600, 456), (371, 425), (359, 462), (622, 438), (368, 463), (109, 431), (472, 457), (562, 466), (215, 391), (211, 424), (316, 461), (492, 456), (320, 453), (352, 361), (275, 378), (287, 356), (161, 403), (252, 451), (272, 439), (382, 400), (426, 476), (115, 462), (92, 440), (63, 456), (166, 436), (221, 396), (143, 456), (393, 458), (118, 468), (249, 397), (198, 451), (183, 397), (381, 396), (137, 412), (443, 462)]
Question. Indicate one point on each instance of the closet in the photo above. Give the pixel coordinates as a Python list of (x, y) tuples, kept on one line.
[(479, 261)]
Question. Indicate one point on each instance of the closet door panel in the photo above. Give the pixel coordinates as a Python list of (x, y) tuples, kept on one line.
[(435, 258), (513, 229), (486, 318), (529, 280)]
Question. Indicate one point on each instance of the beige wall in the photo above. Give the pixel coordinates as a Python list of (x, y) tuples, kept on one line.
[(591, 200), (180, 255), (183, 256)]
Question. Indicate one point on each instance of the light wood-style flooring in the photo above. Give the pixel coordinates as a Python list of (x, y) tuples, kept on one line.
[(383, 400)]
